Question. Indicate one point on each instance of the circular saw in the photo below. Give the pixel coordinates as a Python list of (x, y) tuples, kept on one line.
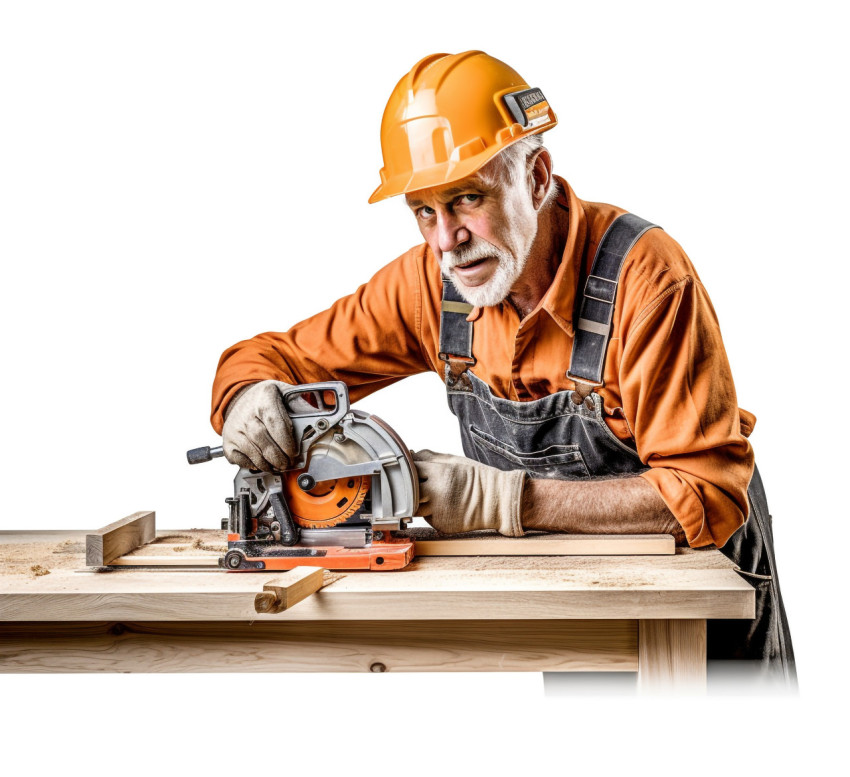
[(327, 503), (351, 485)]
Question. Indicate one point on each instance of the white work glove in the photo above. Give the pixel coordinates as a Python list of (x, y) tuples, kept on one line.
[(457, 494), (257, 431)]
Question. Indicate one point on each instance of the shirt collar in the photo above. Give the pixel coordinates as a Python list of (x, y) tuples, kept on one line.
[(559, 300)]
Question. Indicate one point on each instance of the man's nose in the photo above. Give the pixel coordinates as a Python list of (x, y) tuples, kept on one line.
[(450, 231)]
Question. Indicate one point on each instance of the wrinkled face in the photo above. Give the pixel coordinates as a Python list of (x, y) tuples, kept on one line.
[(480, 231)]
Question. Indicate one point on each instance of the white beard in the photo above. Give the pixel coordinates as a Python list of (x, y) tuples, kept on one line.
[(496, 290)]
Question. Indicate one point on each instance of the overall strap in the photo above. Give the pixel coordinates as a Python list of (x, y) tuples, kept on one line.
[(596, 305), (455, 332)]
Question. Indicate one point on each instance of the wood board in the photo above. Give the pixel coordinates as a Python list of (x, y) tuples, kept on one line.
[(165, 561), (545, 545), (427, 591), (538, 545), (363, 646), (110, 542)]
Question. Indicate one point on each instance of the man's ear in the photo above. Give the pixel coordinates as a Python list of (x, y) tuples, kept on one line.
[(539, 176)]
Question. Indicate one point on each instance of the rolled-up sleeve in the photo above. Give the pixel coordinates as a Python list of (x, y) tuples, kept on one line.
[(679, 398), (368, 339)]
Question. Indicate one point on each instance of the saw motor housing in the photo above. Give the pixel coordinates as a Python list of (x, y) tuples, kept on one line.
[(352, 484)]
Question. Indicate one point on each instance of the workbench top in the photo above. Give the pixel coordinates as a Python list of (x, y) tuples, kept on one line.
[(43, 578)]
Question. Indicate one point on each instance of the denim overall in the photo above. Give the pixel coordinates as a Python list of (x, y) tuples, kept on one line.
[(564, 436)]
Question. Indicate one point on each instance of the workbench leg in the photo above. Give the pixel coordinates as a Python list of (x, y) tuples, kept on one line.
[(671, 656)]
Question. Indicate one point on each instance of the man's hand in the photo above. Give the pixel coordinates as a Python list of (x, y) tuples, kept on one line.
[(457, 494), (257, 431)]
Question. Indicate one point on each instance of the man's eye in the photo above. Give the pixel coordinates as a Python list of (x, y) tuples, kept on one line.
[(425, 212), (469, 198)]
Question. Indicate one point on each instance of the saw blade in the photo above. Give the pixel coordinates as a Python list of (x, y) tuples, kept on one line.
[(328, 503)]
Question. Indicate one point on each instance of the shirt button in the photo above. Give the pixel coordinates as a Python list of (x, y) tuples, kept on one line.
[(588, 403)]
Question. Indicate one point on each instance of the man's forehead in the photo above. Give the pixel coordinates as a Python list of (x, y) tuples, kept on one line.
[(473, 183)]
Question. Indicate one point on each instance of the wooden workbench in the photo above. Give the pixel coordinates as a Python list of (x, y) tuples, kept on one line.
[(558, 613)]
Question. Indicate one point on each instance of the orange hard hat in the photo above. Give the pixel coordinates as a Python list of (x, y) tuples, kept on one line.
[(450, 115)]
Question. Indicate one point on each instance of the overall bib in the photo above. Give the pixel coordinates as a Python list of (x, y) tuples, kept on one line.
[(564, 436)]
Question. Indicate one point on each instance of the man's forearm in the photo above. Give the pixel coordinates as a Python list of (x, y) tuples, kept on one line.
[(618, 506)]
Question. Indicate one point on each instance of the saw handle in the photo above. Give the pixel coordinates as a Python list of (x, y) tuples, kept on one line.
[(333, 412), (200, 455), (307, 418)]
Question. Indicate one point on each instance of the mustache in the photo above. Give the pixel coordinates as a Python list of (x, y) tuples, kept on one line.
[(470, 252)]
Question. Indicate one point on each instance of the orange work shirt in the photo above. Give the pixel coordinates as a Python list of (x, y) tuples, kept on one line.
[(667, 382)]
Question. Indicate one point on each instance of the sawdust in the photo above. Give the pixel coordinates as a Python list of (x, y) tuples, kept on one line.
[(38, 570), (172, 539), (616, 580), (429, 533), (19, 558), (70, 546), (199, 544)]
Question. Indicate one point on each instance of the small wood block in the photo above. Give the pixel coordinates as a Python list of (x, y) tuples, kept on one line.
[(286, 591), (110, 542)]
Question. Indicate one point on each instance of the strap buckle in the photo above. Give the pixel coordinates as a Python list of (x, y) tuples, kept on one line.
[(601, 289), (454, 306), (455, 371), (581, 381), (470, 361), (594, 327), (584, 388)]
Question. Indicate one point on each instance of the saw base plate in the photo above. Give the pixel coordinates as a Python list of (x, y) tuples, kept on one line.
[(251, 555)]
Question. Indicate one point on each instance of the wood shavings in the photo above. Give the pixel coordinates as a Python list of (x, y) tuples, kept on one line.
[(331, 577), (199, 544)]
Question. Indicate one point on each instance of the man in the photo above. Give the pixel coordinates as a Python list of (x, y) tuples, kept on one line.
[(581, 353)]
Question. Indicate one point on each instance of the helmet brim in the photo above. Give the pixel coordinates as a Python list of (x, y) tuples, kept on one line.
[(447, 172)]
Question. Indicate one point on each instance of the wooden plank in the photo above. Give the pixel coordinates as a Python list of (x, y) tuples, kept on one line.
[(110, 542), (543, 545), (183, 560), (672, 656), (443, 595), (363, 646), (289, 589), (550, 545), (486, 545)]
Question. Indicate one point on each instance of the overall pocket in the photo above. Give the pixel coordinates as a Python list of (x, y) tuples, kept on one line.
[(553, 461)]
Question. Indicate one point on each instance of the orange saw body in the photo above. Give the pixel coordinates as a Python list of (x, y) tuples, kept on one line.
[(352, 484)]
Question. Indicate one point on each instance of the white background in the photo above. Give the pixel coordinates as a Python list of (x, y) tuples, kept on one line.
[(177, 176)]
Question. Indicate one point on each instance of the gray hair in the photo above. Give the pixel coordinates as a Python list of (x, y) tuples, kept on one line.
[(510, 166)]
